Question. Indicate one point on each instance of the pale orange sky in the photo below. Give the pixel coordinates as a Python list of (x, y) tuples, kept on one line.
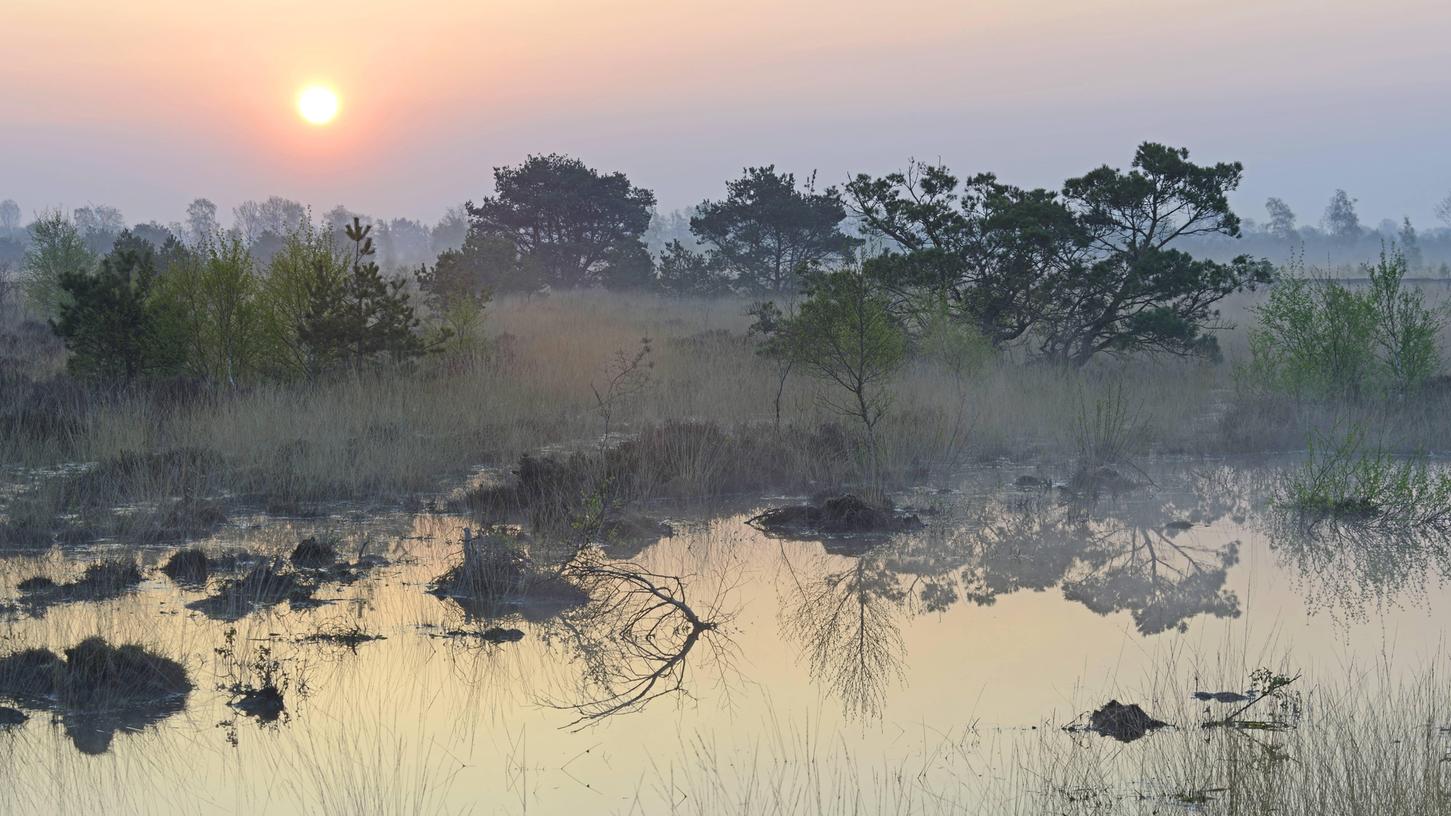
[(146, 105)]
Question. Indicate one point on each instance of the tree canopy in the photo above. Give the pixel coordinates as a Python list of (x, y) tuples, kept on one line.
[(1084, 271), (767, 230), (569, 224)]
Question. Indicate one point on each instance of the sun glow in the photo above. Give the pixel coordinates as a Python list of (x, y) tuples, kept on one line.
[(317, 104)]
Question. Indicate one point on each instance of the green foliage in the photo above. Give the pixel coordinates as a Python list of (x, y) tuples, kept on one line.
[(56, 248), (956, 345), (1321, 339), (214, 294), (363, 317), (1088, 272), (1340, 480), (457, 300), (569, 225), (766, 231), (1405, 331), (990, 250), (109, 321), (1131, 291), (846, 334), (307, 267)]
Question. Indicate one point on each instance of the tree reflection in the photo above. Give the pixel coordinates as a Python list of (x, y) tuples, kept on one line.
[(1160, 583), (847, 623), (635, 636), (1349, 568), (1144, 558)]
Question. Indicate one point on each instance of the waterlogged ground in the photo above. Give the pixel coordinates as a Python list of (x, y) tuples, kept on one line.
[(726, 670)]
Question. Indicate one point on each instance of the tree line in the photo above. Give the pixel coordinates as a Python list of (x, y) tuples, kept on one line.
[(1095, 267)]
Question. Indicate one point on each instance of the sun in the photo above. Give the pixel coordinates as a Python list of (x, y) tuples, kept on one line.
[(317, 104)]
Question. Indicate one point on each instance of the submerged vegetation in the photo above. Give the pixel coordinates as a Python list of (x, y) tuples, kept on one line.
[(1343, 481)]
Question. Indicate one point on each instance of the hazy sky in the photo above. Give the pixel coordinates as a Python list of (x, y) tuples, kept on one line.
[(147, 104)]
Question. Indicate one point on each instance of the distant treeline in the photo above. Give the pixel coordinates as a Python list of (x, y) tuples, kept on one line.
[(1339, 245), (752, 240)]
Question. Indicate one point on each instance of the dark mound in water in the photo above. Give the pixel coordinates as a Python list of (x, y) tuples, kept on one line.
[(99, 689), (266, 585), (501, 635), (311, 552), (628, 536), (10, 717), (1221, 696), (1124, 723), (497, 578), (842, 515), (100, 582), (264, 704), (98, 674), (350, 636), (30, 673), (188, 567)]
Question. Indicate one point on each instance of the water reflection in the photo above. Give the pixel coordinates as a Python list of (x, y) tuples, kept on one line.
[(634, 639), (845, 608), (1350, 569), (847, 623)]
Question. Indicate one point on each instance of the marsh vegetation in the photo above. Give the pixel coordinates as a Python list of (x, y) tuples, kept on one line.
[(918, 494)]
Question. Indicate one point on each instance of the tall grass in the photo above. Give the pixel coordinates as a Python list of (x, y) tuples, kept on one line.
[(397, 433), (1358, 743)]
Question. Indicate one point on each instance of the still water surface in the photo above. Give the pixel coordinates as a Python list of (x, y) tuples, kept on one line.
[(923, 662)]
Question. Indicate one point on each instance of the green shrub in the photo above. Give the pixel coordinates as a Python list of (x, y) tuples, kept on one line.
[(1318, 338), (1342, 481)]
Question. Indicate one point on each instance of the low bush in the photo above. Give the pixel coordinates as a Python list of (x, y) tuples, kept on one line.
[(1342, 481), (1321, 339)]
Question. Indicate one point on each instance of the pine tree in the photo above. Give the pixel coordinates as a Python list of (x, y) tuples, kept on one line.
[(108, 319), (364, 317)]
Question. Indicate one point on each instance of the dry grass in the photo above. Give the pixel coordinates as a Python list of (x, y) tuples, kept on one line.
[(398, 434)]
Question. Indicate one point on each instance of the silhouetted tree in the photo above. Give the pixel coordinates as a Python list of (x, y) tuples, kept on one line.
[(1341, 219), (1410, 244), (685, 272), (276, 216), (99, 225), (570, 224), (766, 230), (1131, 291), (9, 216), (450, 231), (201, 221), (1443, 210), (1282, 218), (153, 233), (403, 244), (987, 252)]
